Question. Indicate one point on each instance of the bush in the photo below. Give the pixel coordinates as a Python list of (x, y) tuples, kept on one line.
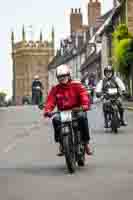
[(121, 32), (123, 50), (123, 57), (2, 98)]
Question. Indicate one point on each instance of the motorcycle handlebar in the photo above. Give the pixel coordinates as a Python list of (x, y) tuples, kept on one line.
[(76, 109)]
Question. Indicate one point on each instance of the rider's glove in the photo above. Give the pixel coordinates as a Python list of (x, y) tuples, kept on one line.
[(48, 114)]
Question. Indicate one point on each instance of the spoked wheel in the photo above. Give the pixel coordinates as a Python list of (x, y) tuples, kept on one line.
[(115, 122), (69, 154)]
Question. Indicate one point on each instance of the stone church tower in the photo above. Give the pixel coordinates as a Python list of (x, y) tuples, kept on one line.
[(30, 58)]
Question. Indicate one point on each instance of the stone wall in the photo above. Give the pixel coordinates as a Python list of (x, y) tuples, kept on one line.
[(30, 60)]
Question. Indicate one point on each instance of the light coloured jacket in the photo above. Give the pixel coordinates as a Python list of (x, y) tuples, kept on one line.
[(119, 82)]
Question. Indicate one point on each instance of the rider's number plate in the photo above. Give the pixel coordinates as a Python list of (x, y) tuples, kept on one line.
[(66, 116), (112, 91)]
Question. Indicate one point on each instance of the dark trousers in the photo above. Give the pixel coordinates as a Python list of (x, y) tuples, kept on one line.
[(83, 125), (36, 96)]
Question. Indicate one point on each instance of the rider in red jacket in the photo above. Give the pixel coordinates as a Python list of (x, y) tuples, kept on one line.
[(66, 95)]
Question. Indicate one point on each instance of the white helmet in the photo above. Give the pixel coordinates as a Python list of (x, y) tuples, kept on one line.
[(62, 70)]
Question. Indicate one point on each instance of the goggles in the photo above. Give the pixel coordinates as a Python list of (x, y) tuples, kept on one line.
[(62, 77)]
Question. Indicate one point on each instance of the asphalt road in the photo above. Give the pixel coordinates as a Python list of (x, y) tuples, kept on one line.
[(30, 169)]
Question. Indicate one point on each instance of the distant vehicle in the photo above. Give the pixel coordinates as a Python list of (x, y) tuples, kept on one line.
[(113, 118), (9, 102), (27, 100)]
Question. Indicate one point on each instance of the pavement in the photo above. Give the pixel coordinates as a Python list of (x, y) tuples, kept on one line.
[(128, 105)]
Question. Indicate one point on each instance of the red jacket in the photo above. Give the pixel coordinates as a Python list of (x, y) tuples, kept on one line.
[(68, 96)]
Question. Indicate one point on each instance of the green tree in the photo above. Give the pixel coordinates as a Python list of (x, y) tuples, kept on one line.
[(2, 98), (122, 50), (121, 32), (123, 57)]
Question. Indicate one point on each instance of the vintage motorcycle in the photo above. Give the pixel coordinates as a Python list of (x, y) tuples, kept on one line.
[(113, 118), (70, 139)]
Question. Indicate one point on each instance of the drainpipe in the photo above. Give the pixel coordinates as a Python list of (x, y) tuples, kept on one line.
[(14, 80)]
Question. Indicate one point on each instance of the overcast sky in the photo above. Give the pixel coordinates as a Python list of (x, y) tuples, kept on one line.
[(41, 14)]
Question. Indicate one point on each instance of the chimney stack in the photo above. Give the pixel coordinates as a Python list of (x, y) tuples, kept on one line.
[(76, 20), (94, 11), (114, 3)]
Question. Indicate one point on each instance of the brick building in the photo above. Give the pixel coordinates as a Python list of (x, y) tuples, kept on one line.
[(30, 58), (120, 14), (76, 17), (77, 28)]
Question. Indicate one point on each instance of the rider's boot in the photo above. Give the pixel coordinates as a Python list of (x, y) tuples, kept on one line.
[(122, 122), (88, 150), (106, 124), (105, 121), (60, 153)]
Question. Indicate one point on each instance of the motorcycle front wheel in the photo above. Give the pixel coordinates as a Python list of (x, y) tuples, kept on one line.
[(69, 153), (115, 122)]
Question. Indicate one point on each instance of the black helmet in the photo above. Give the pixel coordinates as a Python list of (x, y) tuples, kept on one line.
[(108, 69)]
